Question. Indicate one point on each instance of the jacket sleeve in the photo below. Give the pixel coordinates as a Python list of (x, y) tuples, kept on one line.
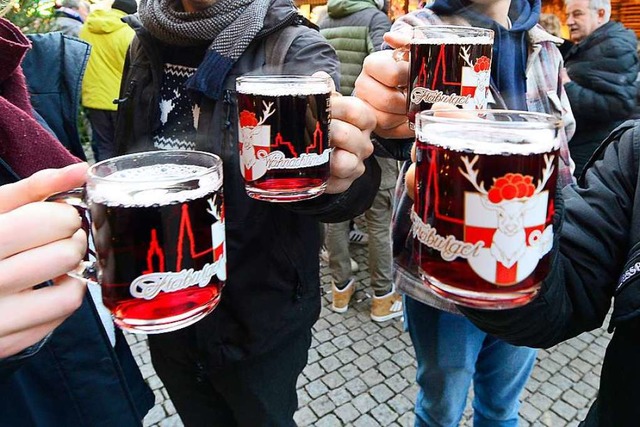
[(310, 53), (606, 91), (590, 248), (379, 25)]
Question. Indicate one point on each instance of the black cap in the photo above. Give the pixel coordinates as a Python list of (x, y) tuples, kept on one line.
[(128, 6)]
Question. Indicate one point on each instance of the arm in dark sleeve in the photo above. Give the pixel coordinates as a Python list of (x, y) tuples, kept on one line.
[(590, 248), (603, 89), (379, 25)]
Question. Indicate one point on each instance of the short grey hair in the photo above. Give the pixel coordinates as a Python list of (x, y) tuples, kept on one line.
[(598, 4), (71, 4)]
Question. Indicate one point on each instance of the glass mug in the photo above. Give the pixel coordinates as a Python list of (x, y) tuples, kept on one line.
[(283, 136), (448, 64), (484, 204), (157, 223)]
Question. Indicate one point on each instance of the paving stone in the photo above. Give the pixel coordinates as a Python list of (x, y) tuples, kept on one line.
[(340, 396), (316, 388), (366, 421), (347, 413), (349, 371), (566, 411), (356, 386), (305, 417), (381, 393), (172, 421), (333, 380), (329, 421), (313, 371), (346, 355), (372, 377), (364, 403), (330, 364), (322, 406)]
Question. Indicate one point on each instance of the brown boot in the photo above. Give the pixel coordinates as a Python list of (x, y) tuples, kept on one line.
[(386, 307), (341, 297)]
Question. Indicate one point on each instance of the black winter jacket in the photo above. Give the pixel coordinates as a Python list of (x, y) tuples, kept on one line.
[(603, 68), (596, 258), (273, 286)]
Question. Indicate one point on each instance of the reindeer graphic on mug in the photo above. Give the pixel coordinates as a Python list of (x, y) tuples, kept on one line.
[(515, 211), (475, 78), (255, 140)]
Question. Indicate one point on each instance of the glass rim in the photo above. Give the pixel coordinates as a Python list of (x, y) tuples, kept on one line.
[(91, 173), (487, 32), (540, 120), (283, 78)]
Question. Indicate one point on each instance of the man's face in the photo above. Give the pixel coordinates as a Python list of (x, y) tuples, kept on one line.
[(196, 5), (582, 20)]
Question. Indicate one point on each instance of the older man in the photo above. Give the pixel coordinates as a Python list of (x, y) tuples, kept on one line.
[(601, 69)]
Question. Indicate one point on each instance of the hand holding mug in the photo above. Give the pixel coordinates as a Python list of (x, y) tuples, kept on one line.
[(40, 241)]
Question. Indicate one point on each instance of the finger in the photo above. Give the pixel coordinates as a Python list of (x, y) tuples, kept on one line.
[(353, 111), (30, 268), (410, 181), (398, 39), (15, 343), (383, 68), (34, 308), (36, 224), (345, 168), (351, 139), (41, 185)]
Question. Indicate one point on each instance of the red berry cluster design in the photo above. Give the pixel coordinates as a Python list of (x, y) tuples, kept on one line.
[(511, 186), (482, 64), (248, 119)]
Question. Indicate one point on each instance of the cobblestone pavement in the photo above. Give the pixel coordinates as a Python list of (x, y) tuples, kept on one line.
[(361, 373)]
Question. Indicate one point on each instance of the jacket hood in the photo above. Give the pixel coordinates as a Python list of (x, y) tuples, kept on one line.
[(341, 8), (524, 14), (105, 21)]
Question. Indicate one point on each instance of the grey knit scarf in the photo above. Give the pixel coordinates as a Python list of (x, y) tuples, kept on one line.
[(230, 24)]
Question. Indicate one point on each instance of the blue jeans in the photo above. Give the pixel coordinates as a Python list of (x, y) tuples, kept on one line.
[(451, 352)]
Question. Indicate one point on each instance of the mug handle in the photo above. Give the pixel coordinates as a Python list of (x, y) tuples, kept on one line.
[(86, 270)]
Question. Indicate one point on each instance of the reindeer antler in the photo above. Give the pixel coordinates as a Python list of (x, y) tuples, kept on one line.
[(548, 171), (472, 175), (212, 207), (464, 53), (266, 113)]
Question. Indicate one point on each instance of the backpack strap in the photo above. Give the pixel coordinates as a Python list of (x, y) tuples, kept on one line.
[(277, 45)]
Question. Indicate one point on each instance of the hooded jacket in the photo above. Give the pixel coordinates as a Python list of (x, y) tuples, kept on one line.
[(544, 94), (109, 38), (273, 286), (603, 68), (355, 29)]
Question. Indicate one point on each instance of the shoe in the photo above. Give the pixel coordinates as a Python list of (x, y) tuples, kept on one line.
[(354, 265), (342, 297), (357, 236), (386, 307)]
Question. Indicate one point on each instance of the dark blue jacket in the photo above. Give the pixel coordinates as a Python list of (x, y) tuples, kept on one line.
[(54, 83), (75, 378)]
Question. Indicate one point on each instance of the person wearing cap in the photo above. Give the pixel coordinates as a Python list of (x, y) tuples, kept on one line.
[(109, 38), (70, 16)]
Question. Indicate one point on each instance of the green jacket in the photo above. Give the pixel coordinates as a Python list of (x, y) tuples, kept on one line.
[(355, 29)]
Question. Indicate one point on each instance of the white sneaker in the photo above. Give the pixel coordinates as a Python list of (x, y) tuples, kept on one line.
[(357, 236)]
